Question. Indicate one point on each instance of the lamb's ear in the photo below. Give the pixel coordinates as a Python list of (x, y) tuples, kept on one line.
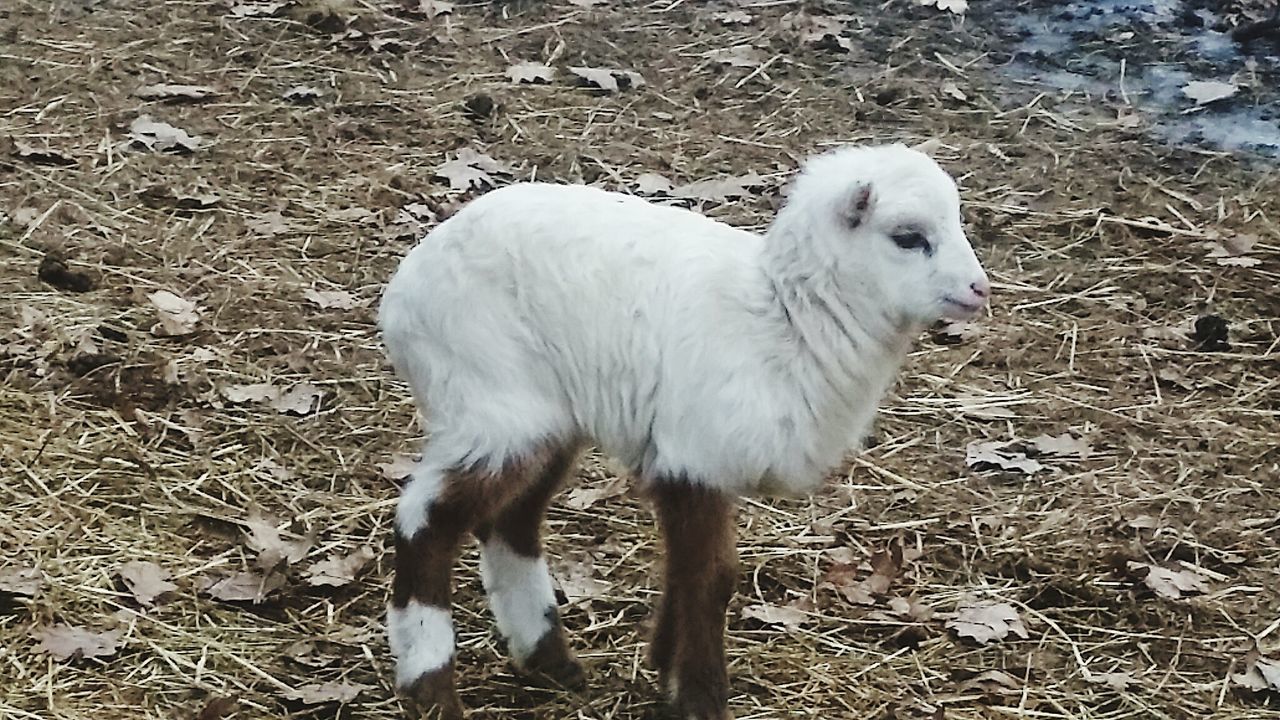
[(928, 147), (857, 207)]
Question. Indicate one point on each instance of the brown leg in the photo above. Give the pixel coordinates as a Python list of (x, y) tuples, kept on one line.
[(436, 511), (519, 585), (701, 570)]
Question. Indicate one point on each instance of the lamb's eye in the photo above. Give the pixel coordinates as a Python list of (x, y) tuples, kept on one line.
[(912, 241)]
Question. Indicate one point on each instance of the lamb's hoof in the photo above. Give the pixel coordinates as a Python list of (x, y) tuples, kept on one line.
[(433, 697), (553, 662), (699, 701), (699, 711)]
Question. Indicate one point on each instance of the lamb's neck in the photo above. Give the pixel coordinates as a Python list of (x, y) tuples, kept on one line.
[(846, 345)]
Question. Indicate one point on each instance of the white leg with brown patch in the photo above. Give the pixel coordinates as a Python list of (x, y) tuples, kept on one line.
[(521, 596)]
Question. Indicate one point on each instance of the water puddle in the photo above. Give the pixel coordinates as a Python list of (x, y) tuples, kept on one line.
[(1143, 53)]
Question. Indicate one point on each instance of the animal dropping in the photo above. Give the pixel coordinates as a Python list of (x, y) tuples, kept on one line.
[(710, 362)]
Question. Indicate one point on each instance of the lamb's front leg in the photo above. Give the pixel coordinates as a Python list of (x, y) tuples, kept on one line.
[(702, 565)]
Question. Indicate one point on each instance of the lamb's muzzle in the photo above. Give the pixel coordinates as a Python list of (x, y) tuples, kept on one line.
[(712, 362)]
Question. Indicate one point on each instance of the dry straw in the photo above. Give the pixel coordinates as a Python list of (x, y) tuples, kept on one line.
[(120, 445)]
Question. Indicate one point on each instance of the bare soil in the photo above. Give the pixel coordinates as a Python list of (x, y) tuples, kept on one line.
[(1108, 249)]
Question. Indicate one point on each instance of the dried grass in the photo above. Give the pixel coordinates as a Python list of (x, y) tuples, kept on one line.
[(1093, 236)]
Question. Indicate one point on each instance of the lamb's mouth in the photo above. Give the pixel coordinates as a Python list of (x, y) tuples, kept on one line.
[(960, 309)]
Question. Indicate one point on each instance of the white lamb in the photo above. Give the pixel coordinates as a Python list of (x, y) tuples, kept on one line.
[(713, 362)]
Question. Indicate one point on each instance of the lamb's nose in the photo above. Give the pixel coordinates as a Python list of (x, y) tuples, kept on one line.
[(982, 288)]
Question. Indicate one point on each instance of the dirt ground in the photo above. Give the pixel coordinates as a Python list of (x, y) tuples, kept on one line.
[(191, 377)]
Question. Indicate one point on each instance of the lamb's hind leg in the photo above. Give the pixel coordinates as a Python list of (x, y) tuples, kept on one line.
[(518, 583), (437, 509), (701, 570)]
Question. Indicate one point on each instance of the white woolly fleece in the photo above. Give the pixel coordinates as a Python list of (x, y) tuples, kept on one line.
[(520, 595), (421, 639), (681, 345)]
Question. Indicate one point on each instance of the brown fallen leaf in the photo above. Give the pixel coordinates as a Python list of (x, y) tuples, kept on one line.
[(653, 184), (399, 467), (719, 190), (576, 579), (273, 551), (1233, 251), (146, 581), (886, 566), (269, 224), (952, 90), (304, 652), (1168, 583), (1118, 681), (1209, 91), (162, 137), (954, 332), (581, 498), (162, 196), (911, 609), (256, 392), (737, 56), (984, 455), (530, 72), (339, 570), (177, 315), (470, 169), (256, 9), (986, 620), (995, 681), (608, 79), (25, 581), (331, 299), (302, 94), (957, 7), (320, 693), (822, 32), (1065, 445), (217, 708), (175, 93), (249, 587), (788, 617), (432, 8), (41, 155), (66, 642), (733, 17), (1261, 674), (301, 399)]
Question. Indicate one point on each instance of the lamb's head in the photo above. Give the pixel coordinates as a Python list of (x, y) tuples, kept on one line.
[(886, 221)]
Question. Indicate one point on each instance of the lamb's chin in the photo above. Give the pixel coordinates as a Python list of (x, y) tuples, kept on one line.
[(953, 309)]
